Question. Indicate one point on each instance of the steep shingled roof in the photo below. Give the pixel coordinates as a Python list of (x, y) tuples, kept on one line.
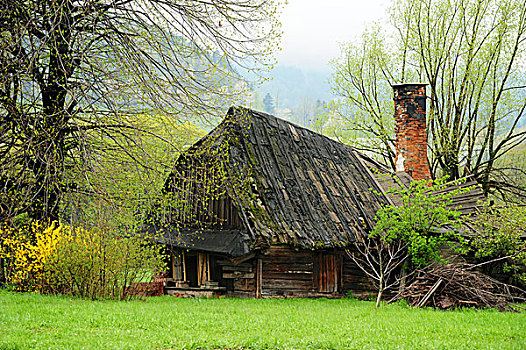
[(315, 189), (306, 189)]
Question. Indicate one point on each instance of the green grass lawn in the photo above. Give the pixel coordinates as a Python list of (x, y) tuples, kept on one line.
[(32, 321)]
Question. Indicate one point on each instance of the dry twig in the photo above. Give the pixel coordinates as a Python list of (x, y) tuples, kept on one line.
[(458, 285)]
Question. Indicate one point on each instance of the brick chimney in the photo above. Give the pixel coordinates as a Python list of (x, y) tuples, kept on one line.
[(410, 130)]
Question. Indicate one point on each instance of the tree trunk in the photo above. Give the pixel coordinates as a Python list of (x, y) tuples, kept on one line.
[(379, 297), (47, 195), (380, 289)]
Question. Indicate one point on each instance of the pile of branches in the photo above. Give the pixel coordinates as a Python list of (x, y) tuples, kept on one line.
[(460, 285)]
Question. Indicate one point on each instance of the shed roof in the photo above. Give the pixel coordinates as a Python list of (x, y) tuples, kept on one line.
[(230, 242), (467, 202)]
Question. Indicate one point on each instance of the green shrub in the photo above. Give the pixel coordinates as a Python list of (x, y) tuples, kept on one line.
[(420, 219), (88, 263), (500, 235)]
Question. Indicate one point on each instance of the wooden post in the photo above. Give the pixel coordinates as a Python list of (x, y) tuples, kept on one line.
[(172, 259), (202, 264), (184, 265), (208, 267), (259, 272)]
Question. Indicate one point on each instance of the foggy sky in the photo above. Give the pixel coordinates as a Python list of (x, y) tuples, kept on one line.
[(312, 29)]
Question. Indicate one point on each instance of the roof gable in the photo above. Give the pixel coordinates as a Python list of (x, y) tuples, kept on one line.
[(299, 187)]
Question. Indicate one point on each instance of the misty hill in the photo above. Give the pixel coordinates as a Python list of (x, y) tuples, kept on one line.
[(290, 87)]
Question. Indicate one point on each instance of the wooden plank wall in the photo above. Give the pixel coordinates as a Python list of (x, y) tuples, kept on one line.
[(243, 277), (328, 271), (287, 272), (201, 198), (282, 271), (355, 280)]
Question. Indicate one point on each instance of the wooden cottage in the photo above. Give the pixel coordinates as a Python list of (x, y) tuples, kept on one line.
[(263, 208)]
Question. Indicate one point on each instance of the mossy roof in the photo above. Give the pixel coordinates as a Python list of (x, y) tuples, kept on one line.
[(299, 187)]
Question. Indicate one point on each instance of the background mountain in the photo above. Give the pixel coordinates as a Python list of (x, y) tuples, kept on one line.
[(297, 94)]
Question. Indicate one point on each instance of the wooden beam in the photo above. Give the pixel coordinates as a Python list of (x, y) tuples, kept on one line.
[(243, 258), (208, 267), (430, 293), (172, 259), (259, 273), (184, 266)]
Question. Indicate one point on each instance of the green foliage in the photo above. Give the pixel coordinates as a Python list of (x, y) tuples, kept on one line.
[(501, 234), (78, 80), (123, 183), (32, 321), (424, 220), (366, 109)]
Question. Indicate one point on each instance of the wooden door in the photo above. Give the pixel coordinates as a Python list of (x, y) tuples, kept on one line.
[(327, 272), (177, 265), (202, 268)]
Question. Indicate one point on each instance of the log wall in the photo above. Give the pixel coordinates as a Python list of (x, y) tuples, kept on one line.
[(355, 281), (240, 278), (281, 271), (287, 272)]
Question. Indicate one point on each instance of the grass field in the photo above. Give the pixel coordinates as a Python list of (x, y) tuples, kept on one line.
[(31, 321)]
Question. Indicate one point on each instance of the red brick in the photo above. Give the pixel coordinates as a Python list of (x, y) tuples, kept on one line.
[(410, 130)]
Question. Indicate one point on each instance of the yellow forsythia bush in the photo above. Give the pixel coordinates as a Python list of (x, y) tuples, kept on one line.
[(27, 251), (94, 264)]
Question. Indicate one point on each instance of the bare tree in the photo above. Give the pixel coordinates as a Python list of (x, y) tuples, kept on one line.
[(381, 261), (305, 111), (79, 79)]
